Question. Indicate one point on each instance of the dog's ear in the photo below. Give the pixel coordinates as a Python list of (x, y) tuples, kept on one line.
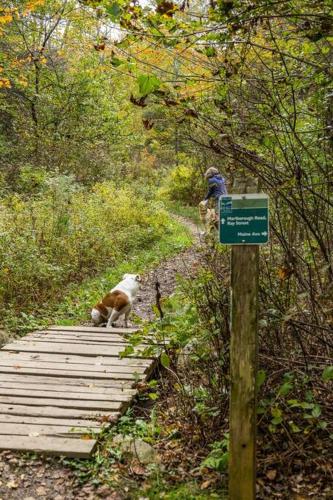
[(138, 278)]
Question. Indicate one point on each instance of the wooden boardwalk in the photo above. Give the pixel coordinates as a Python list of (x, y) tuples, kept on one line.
[(59, 387)]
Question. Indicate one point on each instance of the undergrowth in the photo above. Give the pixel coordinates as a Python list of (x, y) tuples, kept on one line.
[(189, 211), (77, 298)]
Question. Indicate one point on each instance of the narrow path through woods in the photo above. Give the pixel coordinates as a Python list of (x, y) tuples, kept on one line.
[(30, 478), (166, 274)]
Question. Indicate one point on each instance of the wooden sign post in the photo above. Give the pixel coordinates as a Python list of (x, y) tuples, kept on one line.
[(243, 367), (244, 230)]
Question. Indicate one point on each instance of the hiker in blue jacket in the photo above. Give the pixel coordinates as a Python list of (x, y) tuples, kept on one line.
[(216, 185)]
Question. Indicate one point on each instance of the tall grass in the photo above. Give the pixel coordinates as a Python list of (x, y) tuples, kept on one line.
[(66, 235)]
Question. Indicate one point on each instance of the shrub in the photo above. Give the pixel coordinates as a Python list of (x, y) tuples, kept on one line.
[(184, 183), (65, 235)]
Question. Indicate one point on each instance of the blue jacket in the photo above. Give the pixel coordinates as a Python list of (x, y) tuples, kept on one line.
[(216, 187)]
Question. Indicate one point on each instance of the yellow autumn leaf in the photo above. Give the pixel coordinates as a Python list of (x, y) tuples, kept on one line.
[(7, 18), (23, 82), (5, 83), (32, 5)]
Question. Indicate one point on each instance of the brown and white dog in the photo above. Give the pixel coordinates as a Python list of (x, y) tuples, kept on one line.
[(117, 302)]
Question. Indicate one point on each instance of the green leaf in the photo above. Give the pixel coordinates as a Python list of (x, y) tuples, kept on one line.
[(294, 403), (285, 388), (165, 360), (306, 406), (153, 395), (316, 412), (148, 84), (115, 61), (327, 374), (294, 428), (216, 460), (261, 377), (114, 11), (126, 352), (276, 420), (276, 412), (210, 51)]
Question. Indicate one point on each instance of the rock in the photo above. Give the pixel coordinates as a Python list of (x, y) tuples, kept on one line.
[(12, 485), (4, 337), (13, 460), (104, 491), (41, 491), (136, 448)]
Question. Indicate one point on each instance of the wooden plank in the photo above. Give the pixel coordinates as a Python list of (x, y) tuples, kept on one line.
[(79, 334), (96, 329), (88, 342), (64, 339), (62, 403), (83, 339), (89, 369), (243, 355), (67, 358), (109, 337), (75, 340), (42, 393), (82, 350), (55, 385), (74, 448), (70, 381), (53, 411), (33, 430), (72, 391), (43, 421), (107, 374)]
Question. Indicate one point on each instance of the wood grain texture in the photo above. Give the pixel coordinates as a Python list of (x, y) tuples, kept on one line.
[(57, 393), (70, 381), (243, 359), (53, 411), (73, 448), (72, 359), (94, 329), (43, 421), (71, 390), (90, 370), (62, 403), (33, 430), (81, 349), (40, 370)]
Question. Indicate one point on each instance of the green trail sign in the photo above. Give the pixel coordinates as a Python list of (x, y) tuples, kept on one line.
[(244, 219)]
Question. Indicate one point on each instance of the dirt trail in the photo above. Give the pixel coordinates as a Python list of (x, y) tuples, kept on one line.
[(23, 478), (166, 274)]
